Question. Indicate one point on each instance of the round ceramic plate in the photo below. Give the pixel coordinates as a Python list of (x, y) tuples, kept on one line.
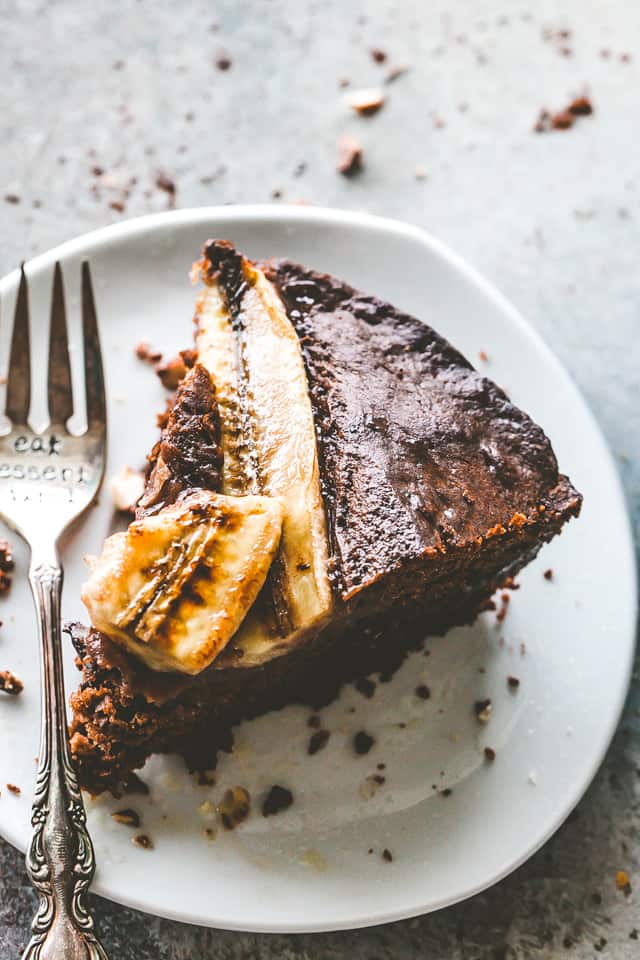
[(453, 822)]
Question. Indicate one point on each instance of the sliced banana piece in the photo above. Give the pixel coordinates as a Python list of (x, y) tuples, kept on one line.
[(175, 586), (251, 350)]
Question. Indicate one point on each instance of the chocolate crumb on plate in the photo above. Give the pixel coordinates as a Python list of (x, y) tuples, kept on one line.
[(581, 107), (10, 684), (16, 791), (144, 351), (223, 62), (278, 799), (314, 721), (175, 370), (318, 741), (362, 742), (513, 682), (378, 55), (387, 856), (350, 156), (483, 710), (489, 754), (366, 686), (142, 840), (127, 817), (548, 574), (11, 198), (423, 692), (234, 807), (446, 792)]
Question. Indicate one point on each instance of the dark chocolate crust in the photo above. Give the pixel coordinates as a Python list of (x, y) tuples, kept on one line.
[(420, 454), (436, 489)]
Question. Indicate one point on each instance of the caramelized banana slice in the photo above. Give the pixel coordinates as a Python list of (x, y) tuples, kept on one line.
[(249, 347), (175, 586)]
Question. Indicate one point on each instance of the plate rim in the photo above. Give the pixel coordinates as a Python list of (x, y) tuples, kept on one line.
[(113, 234)]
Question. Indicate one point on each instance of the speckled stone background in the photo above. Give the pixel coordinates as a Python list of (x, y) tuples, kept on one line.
[(132, 87)]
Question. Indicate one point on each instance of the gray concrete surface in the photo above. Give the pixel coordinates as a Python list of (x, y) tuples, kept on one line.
[(554, 219)]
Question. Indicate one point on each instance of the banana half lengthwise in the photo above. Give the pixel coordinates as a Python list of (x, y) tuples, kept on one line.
[(249, 347), (175, 586)]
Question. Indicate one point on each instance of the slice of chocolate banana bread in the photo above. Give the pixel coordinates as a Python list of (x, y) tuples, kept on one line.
[(409, 489)]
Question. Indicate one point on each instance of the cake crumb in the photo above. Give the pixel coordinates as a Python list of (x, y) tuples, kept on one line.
[(318, 741), (483, 356), (6, 565), (165, 183), (548, 574), (504, 606), (16, 791), (483, 710), (387, 856), (142, 840), (10, 684), (370, 785), (489, 754), (350, 156), (366, 102), (278, 799), (446, 792), (378, 55), (210, 833), (127, 817), (174, 370), (146, 353), (580, 107), (513, 682), (234, 807), (363, 742), (423, 692), (314, 721), (223, 62)]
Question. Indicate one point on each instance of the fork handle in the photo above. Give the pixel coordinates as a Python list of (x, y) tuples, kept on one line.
[(60, 859)]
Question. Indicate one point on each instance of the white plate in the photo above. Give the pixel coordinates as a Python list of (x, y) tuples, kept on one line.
[(308, 869)]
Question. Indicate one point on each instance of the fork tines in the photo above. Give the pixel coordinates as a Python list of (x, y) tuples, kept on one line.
[(59, 387)]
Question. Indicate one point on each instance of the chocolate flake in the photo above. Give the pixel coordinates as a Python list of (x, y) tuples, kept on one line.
[(278, 799)]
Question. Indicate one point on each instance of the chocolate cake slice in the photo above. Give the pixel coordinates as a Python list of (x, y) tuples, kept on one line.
[(394, 488)]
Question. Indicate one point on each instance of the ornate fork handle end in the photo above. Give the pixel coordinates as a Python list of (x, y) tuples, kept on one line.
[(60, 859)]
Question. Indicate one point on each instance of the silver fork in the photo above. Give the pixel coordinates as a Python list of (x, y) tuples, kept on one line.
[(47, 479)]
